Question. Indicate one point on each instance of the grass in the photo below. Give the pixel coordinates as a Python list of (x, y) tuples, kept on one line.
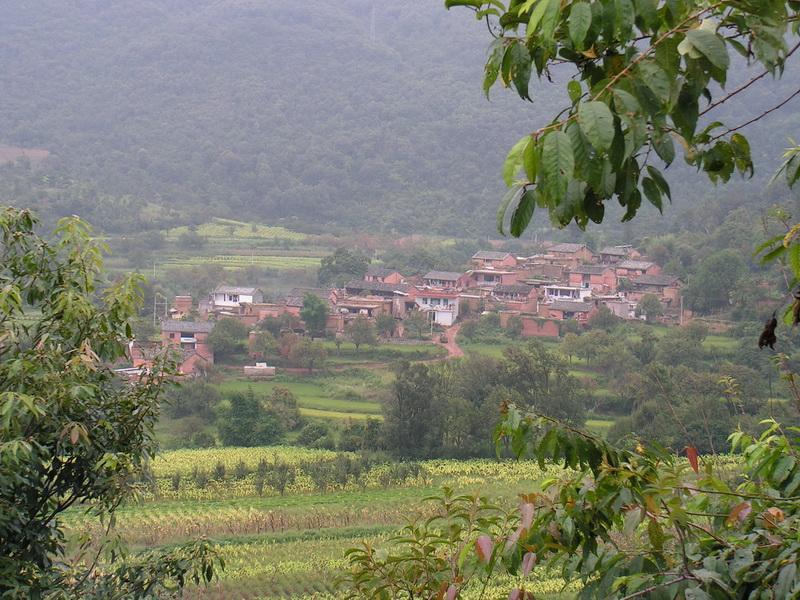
[(335, 397), (228, 230)]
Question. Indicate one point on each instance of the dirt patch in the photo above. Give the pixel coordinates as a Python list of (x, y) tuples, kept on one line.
[(11, 153)]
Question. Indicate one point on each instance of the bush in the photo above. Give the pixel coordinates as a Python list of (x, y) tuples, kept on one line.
[(202, 439)]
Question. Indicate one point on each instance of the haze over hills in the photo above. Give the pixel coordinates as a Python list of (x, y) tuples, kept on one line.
[(320, 115)]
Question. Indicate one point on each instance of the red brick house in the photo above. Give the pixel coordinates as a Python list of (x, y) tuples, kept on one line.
[(383, 275), (445, 279), (630, 269), (191, 338), (666, 287), (561, 310), (489, 278), (570, 255), (598, 278), (496, 260), (520, 297)]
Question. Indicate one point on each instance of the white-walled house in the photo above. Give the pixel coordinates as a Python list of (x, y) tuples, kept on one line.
[(229, 296), (443, 306)]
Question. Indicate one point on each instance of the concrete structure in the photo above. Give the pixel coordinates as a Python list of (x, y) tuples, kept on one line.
[(441, 304), (565, 292), (229, 296)]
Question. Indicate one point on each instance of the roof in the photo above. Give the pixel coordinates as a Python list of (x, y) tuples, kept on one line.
[(378, 271), (296, 295), (567, 248), (443, 275), (614, 251), (513, 289), (635, 264), (590, 269), (658, 280), (233, 289), (567, 306), (376, 286), (188, 326), (490, 255)]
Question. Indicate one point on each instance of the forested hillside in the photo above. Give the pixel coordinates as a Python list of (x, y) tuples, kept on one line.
[(324, 115)]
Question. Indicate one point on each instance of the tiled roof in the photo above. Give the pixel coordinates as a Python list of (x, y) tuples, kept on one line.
[(637, 265), (490, 255), (567, 306), (233, 289), (658, 280), (378, 271), (567, 247), (188, 326), (376, 286), (296, 295), (614, 251), (513, 289), (443, 275), (589, 270)]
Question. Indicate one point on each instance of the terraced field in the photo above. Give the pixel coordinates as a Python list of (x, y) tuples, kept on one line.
[(292, 545)]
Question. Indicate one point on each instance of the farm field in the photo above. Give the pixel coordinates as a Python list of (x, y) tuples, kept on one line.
[(292, 545)]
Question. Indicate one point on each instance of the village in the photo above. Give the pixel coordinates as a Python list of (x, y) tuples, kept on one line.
[(567, 281)]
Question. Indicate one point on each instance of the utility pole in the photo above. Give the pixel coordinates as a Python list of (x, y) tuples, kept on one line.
[(156, 306)]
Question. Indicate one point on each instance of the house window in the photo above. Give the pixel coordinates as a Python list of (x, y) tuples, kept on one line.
[(233, 297), (172, 336)]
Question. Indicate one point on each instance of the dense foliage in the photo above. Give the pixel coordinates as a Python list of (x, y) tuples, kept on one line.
[(645, 76), (72, 433)]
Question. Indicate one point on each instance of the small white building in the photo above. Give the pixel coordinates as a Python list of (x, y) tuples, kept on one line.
[(565, 292), (443, 308), (228, 296)]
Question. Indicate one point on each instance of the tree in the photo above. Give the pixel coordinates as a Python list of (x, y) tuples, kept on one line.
[(246, 421), (385, 325), (228, 336), (711, 285), (571, 346), (361, 331), (603, 319), (71, 434), (263, 344), (416, 323), (650, 307), (343, 265), (283, 403), (308, 354), (195, 397), (314, 313), (411, 412), (643, 73)]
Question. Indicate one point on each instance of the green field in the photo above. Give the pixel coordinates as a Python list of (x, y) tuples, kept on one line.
[(292, 545)]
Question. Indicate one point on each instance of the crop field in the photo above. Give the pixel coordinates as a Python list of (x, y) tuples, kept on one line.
[(292, 544), (235, 231), (340, 395)]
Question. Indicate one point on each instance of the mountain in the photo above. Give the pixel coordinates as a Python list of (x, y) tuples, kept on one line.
[(357, 114)]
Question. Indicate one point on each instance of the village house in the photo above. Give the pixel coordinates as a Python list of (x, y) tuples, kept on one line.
[(383, 275), (600, 279), (611, 255), (233, 297), (496, 260), (630, 269), (190, 339), (444, 279), (570, 255), (441, 304), (561, 310), (489, 277), (555, 292), (666, 287), (532, 326), (518, 297)]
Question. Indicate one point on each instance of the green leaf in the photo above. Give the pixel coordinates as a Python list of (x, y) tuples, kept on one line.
[(513, 162), (786, 581), (530, 160), (558, 163), (510, 196), (574, 90), (710, 45), (597, 124), (660, 181), (521, 67), (655, 78), (550, 20), (652, 193), (580, 20), (523, 213), (664, 146)]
